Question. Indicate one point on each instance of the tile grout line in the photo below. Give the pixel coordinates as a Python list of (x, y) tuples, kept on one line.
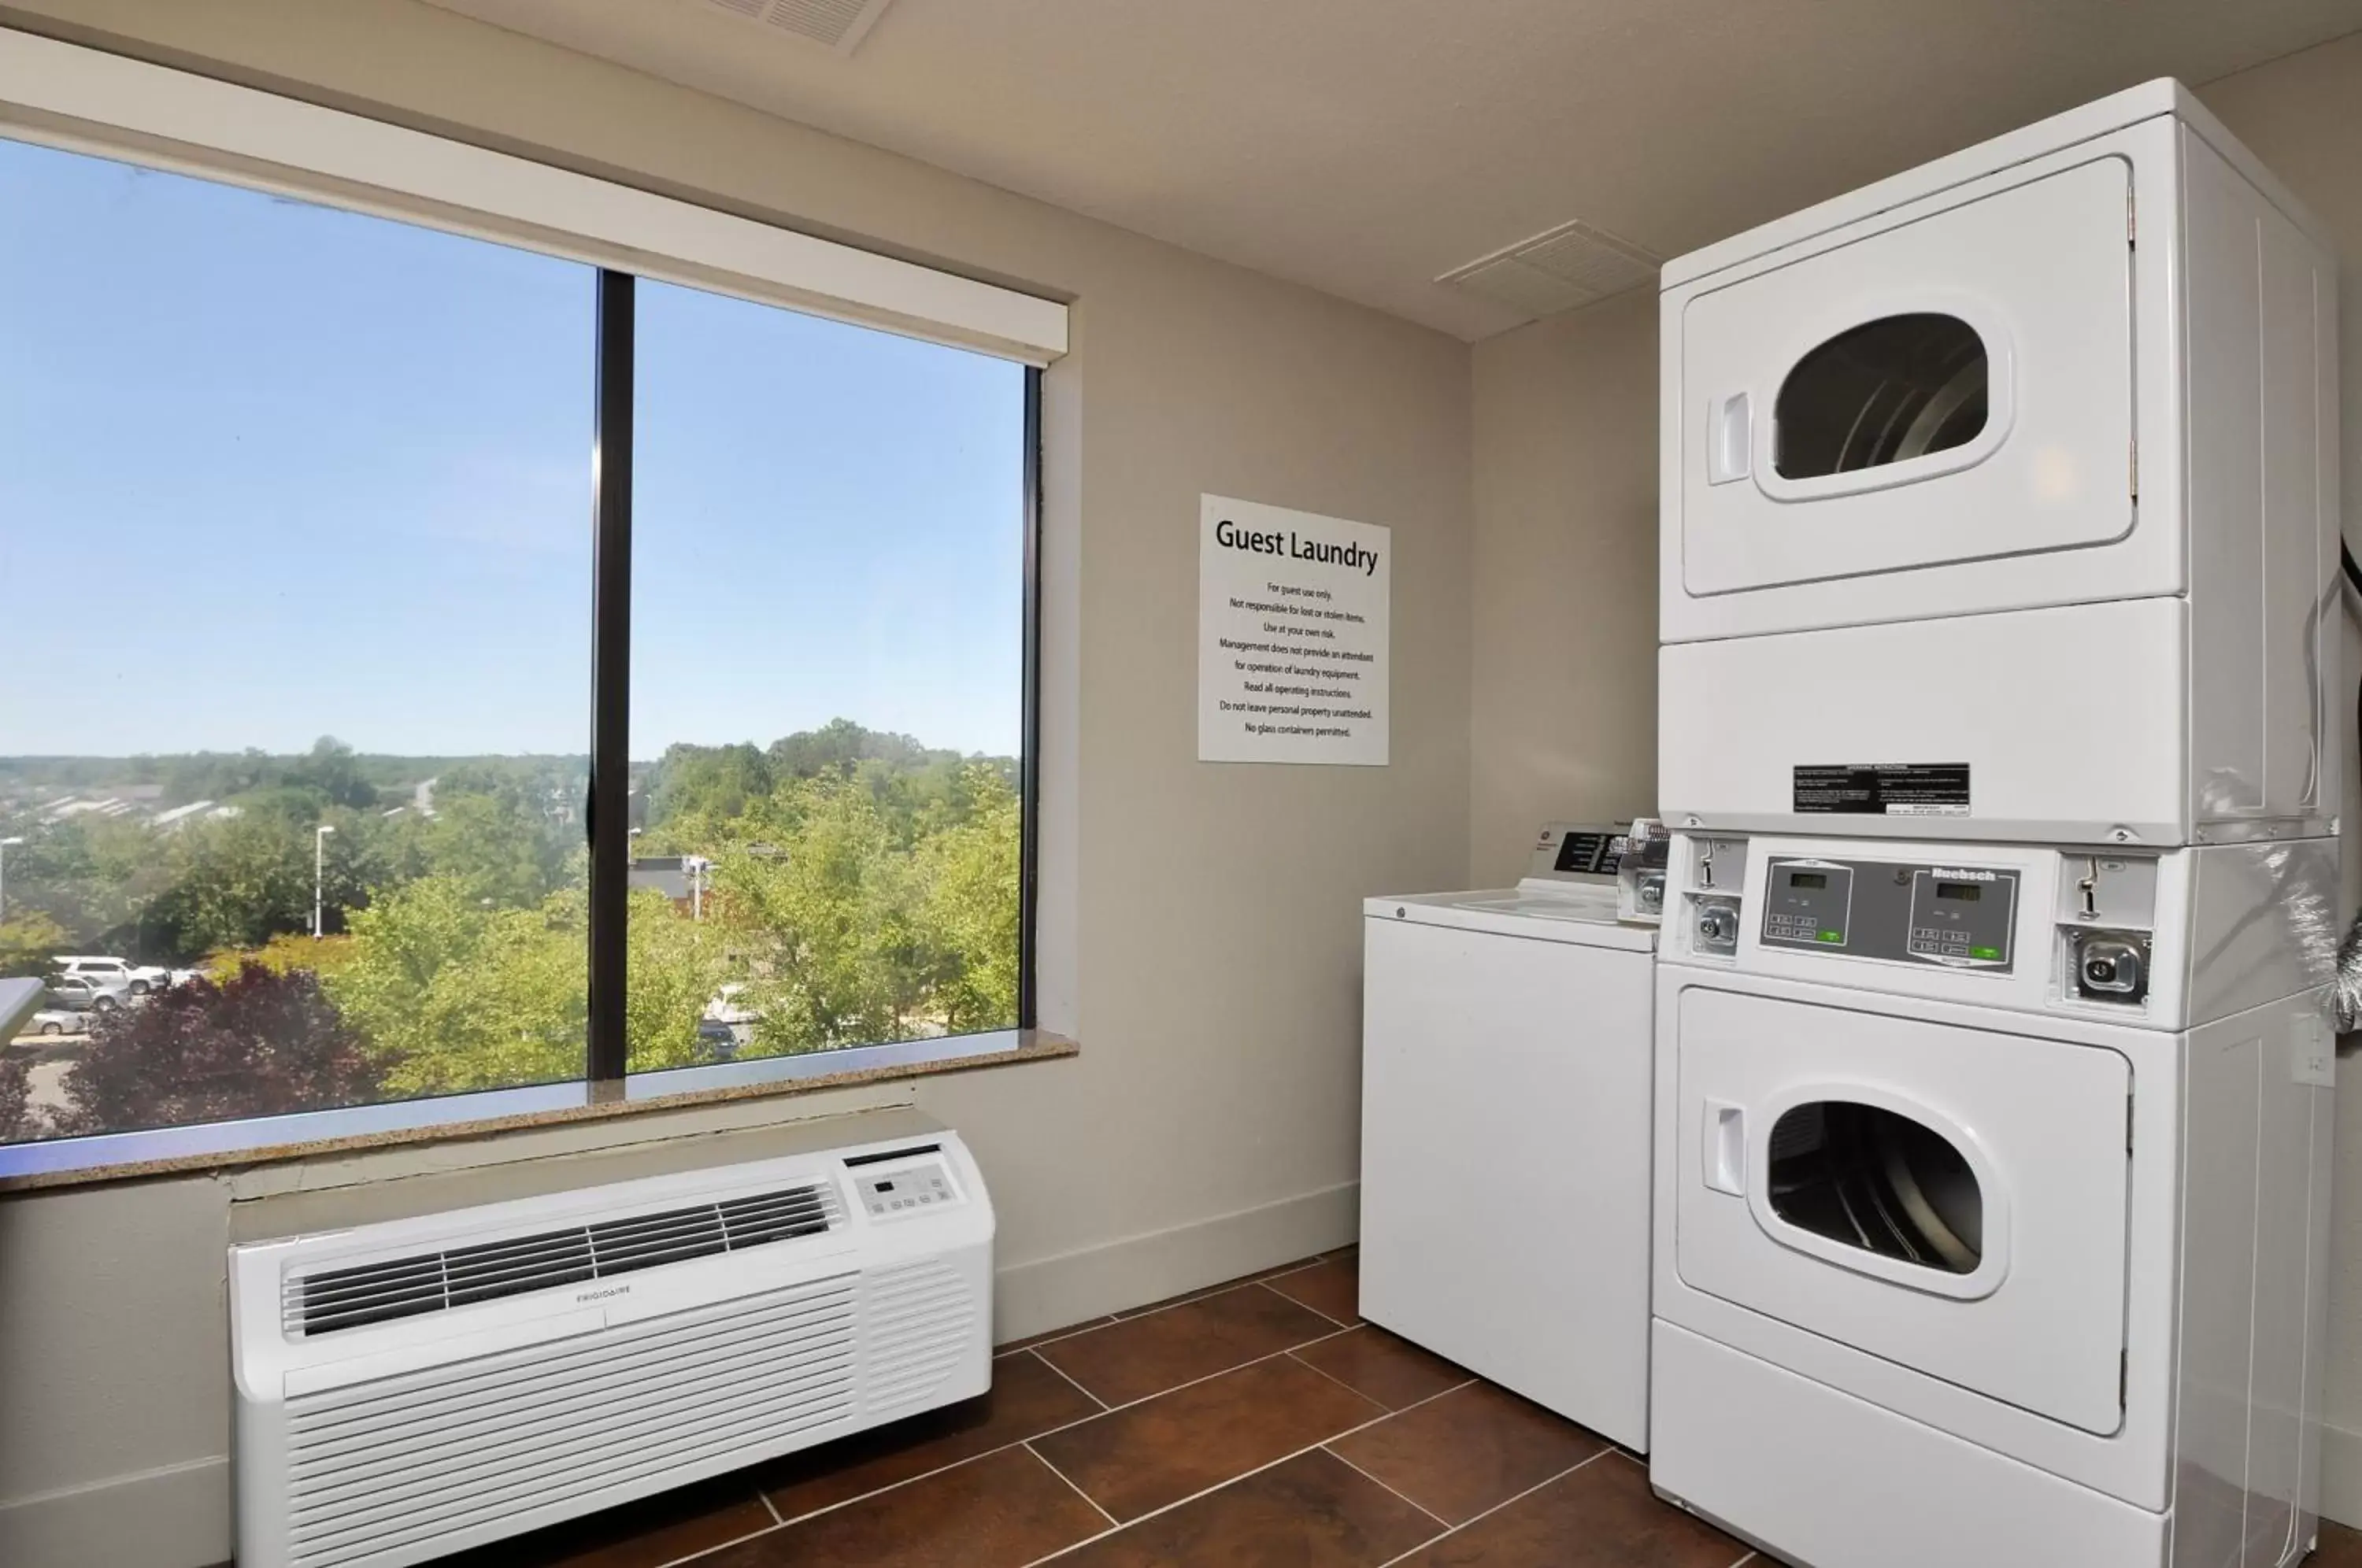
[(1475, 1519), (781, 1521), (1063, 1426), (1414, 1502), (1072, 1331), (1384, 1415), (723, 1545), (1308, 1307), (1063, 1372), (1069, 1480)]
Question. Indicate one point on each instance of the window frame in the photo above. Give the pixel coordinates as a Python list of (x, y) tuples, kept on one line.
[(81, 100)]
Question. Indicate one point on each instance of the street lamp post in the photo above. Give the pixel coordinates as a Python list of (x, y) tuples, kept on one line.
[(319, 876), (5, 846)]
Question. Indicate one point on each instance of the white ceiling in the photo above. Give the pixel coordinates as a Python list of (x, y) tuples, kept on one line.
[(1366, 147)]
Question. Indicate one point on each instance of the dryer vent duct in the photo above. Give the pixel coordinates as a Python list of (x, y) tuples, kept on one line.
[(839, 24), (1556, 270)]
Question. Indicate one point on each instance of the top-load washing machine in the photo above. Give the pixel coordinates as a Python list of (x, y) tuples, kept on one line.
[(1999, 500)]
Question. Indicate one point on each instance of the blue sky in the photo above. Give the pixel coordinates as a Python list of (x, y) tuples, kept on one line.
[(270, 472)]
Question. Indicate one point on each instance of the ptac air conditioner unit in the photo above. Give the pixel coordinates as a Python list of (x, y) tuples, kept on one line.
[(411, 1388)]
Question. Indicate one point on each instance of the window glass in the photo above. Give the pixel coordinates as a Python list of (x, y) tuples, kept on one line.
[(1864, 1177), (294, 534), (1886, 392), (827, 684)]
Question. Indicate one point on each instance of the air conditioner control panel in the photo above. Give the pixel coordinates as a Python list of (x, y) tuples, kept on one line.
[(906, 1187), (1950, 915)]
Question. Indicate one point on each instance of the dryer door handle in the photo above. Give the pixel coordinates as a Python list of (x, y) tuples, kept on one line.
[(1725, 1143), (1730, 439)]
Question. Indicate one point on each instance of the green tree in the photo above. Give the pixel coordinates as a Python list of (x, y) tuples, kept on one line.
[(494, 848), (968, 911), (457, 996), (28, 941), (16, 1091), (829, 921), (676, 966)]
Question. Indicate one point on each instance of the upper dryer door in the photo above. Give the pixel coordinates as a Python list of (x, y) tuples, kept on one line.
[(1956, 388)]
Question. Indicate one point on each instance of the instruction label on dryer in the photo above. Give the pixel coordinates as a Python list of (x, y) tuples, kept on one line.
[(1292, 636), (1884, 788)]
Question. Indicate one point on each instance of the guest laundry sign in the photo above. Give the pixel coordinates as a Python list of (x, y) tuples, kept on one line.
[(1292, 638)]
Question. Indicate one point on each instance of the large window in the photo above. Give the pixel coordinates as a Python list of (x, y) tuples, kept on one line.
[(438, 667)]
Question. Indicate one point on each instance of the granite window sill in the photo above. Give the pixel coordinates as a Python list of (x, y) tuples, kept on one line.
[(220, 1145)]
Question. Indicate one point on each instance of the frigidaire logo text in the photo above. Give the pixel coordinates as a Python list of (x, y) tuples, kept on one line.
[(603, 1294)]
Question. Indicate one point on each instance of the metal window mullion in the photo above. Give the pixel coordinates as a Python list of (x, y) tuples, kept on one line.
[(610, 675), (1028, 762)]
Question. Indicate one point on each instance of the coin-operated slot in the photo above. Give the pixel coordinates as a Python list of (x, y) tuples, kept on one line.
[(2108, 965), (1714, 926), (1649, 894), (1717, 866)]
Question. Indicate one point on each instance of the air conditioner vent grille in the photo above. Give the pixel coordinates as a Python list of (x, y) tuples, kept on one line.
[(339, 1298), (406, 1466)]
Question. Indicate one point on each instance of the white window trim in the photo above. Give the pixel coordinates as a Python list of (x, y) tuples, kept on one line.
[(83, 100)]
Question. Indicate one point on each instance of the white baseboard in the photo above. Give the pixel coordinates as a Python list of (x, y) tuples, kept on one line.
[(2340, 1475), (1050, 1292), (178, 1516)]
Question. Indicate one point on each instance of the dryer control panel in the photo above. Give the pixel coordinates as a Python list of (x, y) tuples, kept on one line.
[(1958, 916)]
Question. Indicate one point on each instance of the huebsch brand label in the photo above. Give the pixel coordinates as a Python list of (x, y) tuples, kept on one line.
[(1884, 788)]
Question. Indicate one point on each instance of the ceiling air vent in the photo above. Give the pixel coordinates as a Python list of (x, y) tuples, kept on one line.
[(1571, 265), (839, 24)]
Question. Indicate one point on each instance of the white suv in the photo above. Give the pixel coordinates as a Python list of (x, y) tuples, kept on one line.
[(136, 979)]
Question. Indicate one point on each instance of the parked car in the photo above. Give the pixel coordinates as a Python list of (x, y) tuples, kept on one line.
[(87, 993), (136, 979), (55, 1020)]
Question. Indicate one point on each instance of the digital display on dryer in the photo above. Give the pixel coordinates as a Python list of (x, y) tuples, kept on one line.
[(1958, 916)]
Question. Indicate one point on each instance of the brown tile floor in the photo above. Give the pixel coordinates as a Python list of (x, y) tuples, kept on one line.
[(1259, 1424)]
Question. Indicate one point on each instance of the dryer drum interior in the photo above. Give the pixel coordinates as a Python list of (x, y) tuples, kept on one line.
[(1884, 392), (1865, 1176)]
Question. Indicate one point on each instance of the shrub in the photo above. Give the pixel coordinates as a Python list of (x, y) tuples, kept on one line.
[(258, 1044)]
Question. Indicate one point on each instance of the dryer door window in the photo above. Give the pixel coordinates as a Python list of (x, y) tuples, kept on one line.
[(1955, 388), (1952, 1199), (1867, 1177), (1890, 391)]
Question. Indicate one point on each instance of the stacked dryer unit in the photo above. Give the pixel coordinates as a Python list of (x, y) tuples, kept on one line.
[(1998, 669)]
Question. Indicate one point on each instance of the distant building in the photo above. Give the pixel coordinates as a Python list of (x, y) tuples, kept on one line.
[(683, 878)]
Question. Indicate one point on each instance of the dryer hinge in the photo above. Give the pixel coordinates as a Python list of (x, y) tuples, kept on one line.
[(2132, 467), (2128, 1125), (2132, 225), (2124, 1376)]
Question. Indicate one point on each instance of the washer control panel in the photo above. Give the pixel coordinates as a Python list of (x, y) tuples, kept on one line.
[(1958, 916)]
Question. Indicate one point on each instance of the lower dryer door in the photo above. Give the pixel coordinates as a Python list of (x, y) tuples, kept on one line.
[(1953, 1199)]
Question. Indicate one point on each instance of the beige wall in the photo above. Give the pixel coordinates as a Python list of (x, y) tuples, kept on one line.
[(1202, 920), (2302, 116), (1562, 712)]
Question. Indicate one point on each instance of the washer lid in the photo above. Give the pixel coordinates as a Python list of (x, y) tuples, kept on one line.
[(1553, 912)]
